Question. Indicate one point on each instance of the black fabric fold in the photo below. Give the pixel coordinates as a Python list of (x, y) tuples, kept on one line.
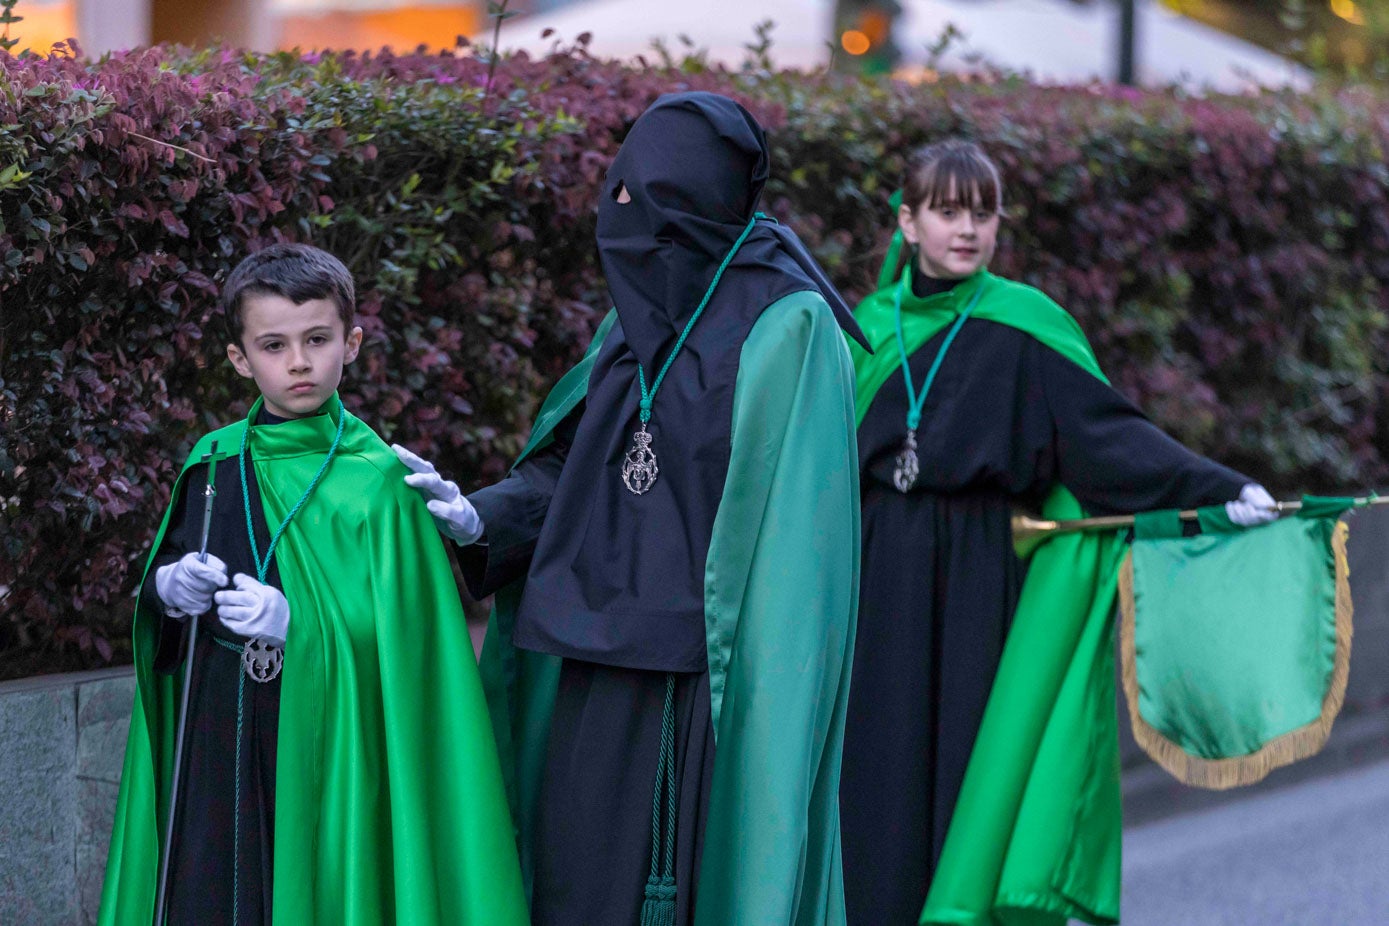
[(617, 578)]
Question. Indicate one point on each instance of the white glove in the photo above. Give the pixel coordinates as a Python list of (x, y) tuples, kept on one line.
[(254, 609), (454, 515), (1254, 506), (186, 586)]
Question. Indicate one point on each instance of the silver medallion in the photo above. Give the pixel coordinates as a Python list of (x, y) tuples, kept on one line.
[(908, 467), (262, 660), (639, 470)]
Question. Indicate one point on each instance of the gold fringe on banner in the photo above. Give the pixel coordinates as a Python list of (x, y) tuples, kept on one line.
[(1235, 771)]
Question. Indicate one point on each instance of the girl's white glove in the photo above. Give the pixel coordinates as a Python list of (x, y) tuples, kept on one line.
[(254, 609), (186, 586), (1254, 506), (453, 514)]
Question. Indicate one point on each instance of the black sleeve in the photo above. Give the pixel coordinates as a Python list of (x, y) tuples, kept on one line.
[(1113, 458), (183, 535), (512, 512)]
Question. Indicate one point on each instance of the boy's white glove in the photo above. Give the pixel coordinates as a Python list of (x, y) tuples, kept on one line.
[(254, 609), (1254, 506), (453, 514), (186, 586)]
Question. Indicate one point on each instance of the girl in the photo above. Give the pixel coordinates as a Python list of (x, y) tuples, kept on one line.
[(982, 394)]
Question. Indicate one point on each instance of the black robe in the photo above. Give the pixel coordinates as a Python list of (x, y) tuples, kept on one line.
[(205, 868), (1006, 418), (604, 740)]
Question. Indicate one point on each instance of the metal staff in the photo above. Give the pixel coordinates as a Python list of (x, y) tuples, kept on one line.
[(1031, 530), (209, 494)]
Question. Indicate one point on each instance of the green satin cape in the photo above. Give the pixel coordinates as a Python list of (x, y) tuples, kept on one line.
[(781, 598), (389, 800), (1035, 837)]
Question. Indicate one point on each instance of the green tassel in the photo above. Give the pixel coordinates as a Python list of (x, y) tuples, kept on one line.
[(658, 909)]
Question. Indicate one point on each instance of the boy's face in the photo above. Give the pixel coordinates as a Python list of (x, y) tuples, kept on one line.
[(295, 353)]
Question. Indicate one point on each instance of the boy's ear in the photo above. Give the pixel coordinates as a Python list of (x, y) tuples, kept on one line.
[(239, 361), (354, 344), (904, 222)]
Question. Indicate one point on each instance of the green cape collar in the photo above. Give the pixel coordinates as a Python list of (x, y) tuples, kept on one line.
[(1003, 301)]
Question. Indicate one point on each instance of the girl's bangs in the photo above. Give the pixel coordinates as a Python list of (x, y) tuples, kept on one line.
[(962, 183)]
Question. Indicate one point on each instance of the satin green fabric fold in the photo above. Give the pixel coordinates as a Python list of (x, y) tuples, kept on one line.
[(389, 798), (1035, 838), (781, 593), (781, 605), (1235, 632)]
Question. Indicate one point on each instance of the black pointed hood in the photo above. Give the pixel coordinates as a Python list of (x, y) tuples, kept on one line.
[(694, 166), (618, 578)]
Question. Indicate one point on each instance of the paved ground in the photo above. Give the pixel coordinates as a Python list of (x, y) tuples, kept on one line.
[(1315, 853)]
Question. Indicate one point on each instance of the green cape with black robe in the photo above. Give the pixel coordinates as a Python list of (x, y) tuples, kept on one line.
[(389, 803), (1035, 834)]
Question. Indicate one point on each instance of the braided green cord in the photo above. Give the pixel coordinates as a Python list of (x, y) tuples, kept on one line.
[(916, 403), (236, 807), (649, 397), (263, 567), (668, 755), (658, 907)]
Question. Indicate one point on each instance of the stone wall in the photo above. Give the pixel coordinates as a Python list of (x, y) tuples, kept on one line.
[(62, 740)]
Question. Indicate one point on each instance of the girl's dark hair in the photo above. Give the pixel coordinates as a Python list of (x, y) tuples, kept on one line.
[(298, 272), (953, 172)]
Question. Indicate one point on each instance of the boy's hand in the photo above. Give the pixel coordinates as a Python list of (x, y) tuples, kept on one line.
[(1254, 506), (186, 586), (254, 609), (453, 514)]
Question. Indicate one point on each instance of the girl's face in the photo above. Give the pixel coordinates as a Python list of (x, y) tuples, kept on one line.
[(952, 239)]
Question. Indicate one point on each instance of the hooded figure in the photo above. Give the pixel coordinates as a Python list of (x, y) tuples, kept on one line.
[(675, 559)]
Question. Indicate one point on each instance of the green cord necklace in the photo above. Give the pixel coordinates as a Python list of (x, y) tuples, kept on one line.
[(907, 467), (261, 660), (639, 469), (263, 565)]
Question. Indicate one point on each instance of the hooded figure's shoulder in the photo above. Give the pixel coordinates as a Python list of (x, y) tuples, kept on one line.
[(799, 325), (798, 316)]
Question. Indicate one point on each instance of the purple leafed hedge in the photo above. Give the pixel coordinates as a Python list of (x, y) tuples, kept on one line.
[(1226, 257)]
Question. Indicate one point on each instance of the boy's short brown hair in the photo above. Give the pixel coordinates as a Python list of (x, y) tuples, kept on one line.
[(298, 272)]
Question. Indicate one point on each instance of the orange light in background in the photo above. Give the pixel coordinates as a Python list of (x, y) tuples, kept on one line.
[(855, 42), (43, 25), (1347, 10), (402, 29)]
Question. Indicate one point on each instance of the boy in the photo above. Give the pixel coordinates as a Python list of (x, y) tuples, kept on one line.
[(338, 765)]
